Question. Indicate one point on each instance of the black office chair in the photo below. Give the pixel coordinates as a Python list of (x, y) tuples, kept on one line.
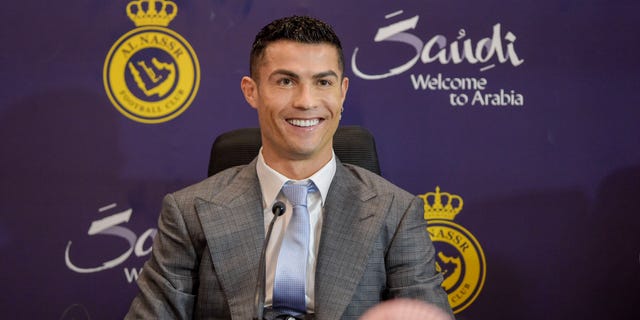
[(352, 144)]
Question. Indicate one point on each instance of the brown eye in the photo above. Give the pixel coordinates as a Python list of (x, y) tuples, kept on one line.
[(285, 82)]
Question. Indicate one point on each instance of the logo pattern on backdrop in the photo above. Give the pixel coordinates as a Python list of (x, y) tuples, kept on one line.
[(112, 225), (460, 258), (496, 49), (151, 74)]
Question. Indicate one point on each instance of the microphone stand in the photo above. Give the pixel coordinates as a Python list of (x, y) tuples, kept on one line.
[(278, 209)]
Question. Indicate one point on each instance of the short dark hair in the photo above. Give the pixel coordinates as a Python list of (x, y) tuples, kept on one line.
[(295, 28)]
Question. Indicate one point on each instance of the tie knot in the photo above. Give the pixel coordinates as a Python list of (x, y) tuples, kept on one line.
[(296, 193)]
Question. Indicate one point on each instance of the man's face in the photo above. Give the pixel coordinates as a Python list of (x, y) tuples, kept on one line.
[(298, 92)]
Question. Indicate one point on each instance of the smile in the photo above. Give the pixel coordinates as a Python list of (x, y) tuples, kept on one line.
[(303, 123)]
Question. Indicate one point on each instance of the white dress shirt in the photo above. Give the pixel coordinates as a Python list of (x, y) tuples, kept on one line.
[(271, 183)]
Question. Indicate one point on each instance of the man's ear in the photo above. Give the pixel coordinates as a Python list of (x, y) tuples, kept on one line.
[(250, 90), (344, 87)]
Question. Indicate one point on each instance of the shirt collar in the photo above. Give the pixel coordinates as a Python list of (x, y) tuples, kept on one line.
[(271, 181)]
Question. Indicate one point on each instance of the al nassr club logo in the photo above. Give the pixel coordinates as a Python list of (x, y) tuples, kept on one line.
[(151, 74), (459, 258)]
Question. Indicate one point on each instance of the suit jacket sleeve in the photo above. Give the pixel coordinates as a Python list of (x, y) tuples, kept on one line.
[(374, 247), (410, 261), (169, 279)]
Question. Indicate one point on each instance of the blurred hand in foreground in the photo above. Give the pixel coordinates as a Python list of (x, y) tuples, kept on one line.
[(405, 309)]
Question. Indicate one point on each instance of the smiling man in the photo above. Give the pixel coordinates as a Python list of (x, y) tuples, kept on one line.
[(298, 90), (348, 239)]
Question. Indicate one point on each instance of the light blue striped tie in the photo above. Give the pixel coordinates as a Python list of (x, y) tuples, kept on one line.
[(291, 270)]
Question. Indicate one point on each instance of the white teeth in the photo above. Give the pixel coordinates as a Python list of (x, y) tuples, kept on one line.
[(304, 123)]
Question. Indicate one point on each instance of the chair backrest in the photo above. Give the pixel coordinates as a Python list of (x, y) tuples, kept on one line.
[(352, 144)]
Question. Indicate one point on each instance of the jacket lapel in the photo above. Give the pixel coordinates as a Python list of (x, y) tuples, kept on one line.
[(232, 222), (352, 219)]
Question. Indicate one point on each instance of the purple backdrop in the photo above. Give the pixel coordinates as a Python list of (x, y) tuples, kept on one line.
[(527, 110)]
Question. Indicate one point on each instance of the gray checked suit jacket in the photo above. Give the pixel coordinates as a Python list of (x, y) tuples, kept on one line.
[(204, 263)]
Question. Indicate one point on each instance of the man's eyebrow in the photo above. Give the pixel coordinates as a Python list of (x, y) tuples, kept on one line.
[(286, 73), (291, 74), (325, 74)]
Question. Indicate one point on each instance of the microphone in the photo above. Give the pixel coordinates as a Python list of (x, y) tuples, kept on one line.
[(278, 209)]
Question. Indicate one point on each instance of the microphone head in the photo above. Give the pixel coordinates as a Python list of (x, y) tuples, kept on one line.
[(278, 208)]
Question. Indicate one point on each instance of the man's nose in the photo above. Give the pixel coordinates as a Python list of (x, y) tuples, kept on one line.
[(305, 97)]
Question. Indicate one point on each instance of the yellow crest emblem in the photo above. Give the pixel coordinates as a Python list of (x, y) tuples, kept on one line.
[(151, 74), (460, 258)]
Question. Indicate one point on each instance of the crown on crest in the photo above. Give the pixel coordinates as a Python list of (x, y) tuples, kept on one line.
[(441, 205), (151, 12)]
